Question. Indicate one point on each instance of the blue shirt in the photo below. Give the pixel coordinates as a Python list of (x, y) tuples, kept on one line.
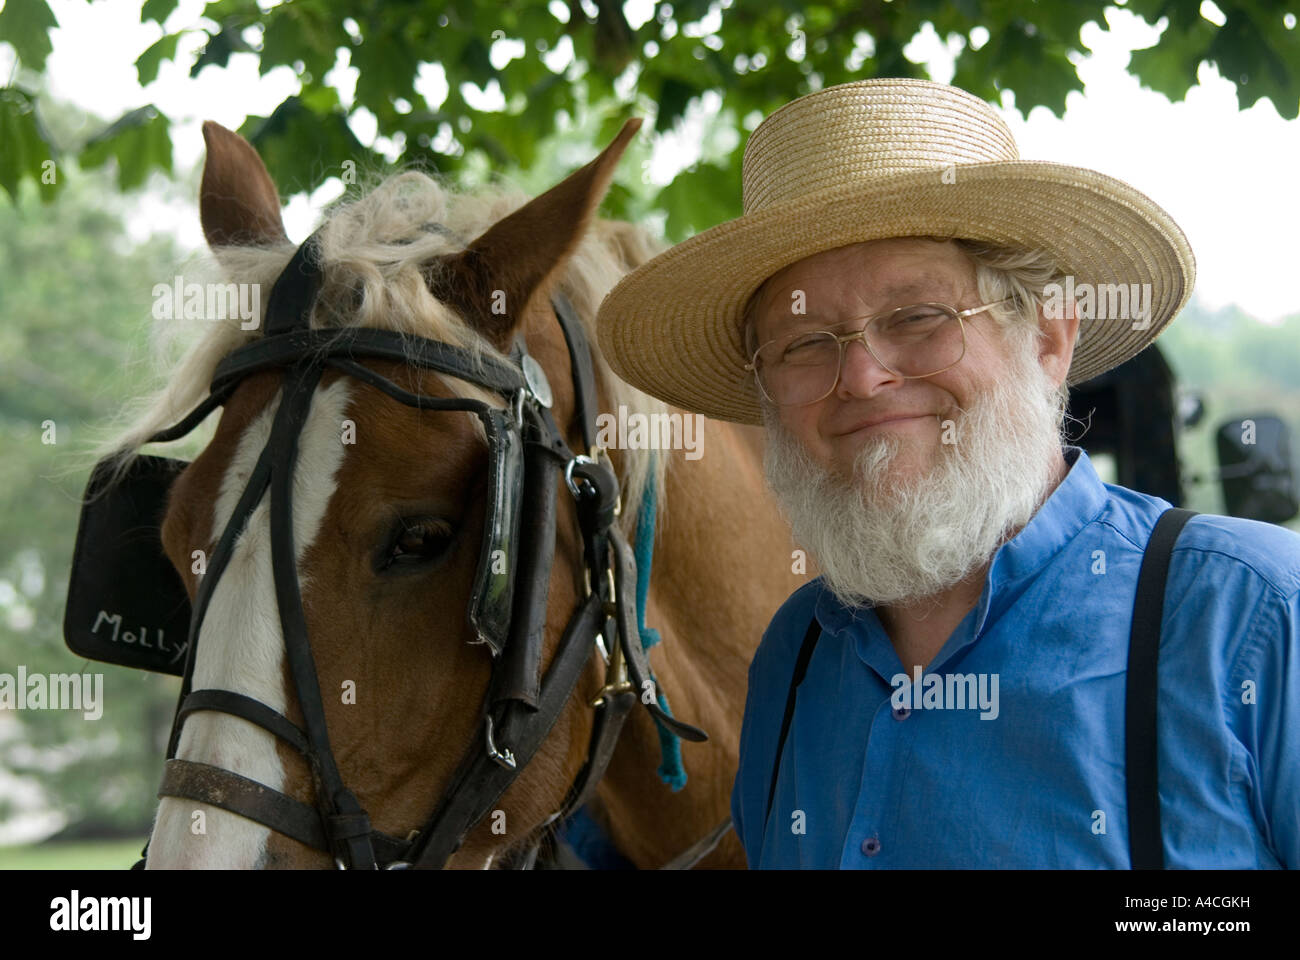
[(873, 778)]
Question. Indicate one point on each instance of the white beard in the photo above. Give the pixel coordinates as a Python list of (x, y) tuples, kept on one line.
[(881, 543)]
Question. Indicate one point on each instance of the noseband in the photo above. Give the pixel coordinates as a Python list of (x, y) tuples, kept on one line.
[(528, 457)]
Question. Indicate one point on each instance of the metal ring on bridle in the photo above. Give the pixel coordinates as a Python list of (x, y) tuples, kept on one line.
[(568, 475)]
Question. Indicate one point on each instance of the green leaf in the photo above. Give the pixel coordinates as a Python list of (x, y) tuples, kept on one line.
[(157, 10), (699, 198), (25, 150), (475, 63), (1260, 58), (139, 142), (674, 95), (301, 148), (219, 48), (146, 65), (387, 70), (26, 25), (309, 34)]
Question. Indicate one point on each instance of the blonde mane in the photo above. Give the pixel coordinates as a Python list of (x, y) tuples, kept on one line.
[(375, 246)]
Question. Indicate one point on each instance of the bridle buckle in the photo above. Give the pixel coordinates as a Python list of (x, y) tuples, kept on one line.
[(503, 757)]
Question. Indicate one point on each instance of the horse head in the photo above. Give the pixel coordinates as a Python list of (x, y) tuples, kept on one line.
[(390, 499)]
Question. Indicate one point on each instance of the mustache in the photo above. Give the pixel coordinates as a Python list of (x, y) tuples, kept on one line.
[(881, 536)]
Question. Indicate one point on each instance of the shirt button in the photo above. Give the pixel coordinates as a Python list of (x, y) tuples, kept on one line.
[(871, 846), (901, 713)]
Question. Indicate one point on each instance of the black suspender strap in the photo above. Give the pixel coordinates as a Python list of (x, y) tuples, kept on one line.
[(1146, 850), (800, 668)]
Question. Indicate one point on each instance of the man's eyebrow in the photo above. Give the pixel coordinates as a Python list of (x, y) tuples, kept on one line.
[(912, 290)]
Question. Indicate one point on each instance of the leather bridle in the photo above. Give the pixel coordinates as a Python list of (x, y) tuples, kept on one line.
[(509, 615)]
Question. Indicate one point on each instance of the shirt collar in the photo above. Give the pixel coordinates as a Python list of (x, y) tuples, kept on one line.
[(1077, 500)]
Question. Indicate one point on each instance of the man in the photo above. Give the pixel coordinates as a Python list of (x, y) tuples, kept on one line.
[(890, 308)]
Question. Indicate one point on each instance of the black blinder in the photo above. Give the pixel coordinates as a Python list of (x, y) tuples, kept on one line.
[(492, 600), (126, 603)]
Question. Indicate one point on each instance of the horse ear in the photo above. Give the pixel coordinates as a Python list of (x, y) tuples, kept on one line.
[(495, 278), (238, 202)]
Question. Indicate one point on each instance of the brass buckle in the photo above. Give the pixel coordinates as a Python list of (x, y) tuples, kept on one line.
[(616, 679)]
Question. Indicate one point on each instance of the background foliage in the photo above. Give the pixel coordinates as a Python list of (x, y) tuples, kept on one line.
[(74, 344), (570, 59), (74, 294)]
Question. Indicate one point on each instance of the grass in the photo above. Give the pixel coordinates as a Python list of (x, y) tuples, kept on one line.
[(80, 855)]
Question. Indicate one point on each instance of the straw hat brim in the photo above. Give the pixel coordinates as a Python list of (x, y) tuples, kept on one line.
[(672, 327)]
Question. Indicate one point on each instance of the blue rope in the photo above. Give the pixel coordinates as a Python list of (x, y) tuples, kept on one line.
[(671, 770)]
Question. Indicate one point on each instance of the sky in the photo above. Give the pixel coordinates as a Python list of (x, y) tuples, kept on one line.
[(1227, 177)]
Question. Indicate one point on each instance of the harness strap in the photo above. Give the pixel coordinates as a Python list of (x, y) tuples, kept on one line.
[(584, 376), (629, 638), (214, 399), (331, 795), (614, 704), (294, 294), (611, 710), (252, 495), (697, 851), (480, 781), (246, 708), (218, 787), (350, 343)]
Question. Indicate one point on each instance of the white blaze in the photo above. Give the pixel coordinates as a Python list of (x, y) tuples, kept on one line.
[(241, 646)]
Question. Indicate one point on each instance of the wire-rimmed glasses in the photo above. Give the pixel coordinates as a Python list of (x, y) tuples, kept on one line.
[(915, 341)]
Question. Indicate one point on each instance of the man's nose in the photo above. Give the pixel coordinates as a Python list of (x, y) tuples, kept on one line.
[(861, 374)]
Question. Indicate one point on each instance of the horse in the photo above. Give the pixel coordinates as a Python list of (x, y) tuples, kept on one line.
[(390, 503)]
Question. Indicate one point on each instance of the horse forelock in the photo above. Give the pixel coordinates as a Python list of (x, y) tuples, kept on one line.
[(376, 246)]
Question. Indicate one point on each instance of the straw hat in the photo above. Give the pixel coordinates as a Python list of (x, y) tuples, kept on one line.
[(871, 160)]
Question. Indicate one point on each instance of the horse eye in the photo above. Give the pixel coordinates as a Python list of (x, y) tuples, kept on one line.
[(415, 541)]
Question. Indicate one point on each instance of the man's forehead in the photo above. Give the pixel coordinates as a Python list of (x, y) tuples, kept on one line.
[(903, 255), (865, 276), (854, 288)]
